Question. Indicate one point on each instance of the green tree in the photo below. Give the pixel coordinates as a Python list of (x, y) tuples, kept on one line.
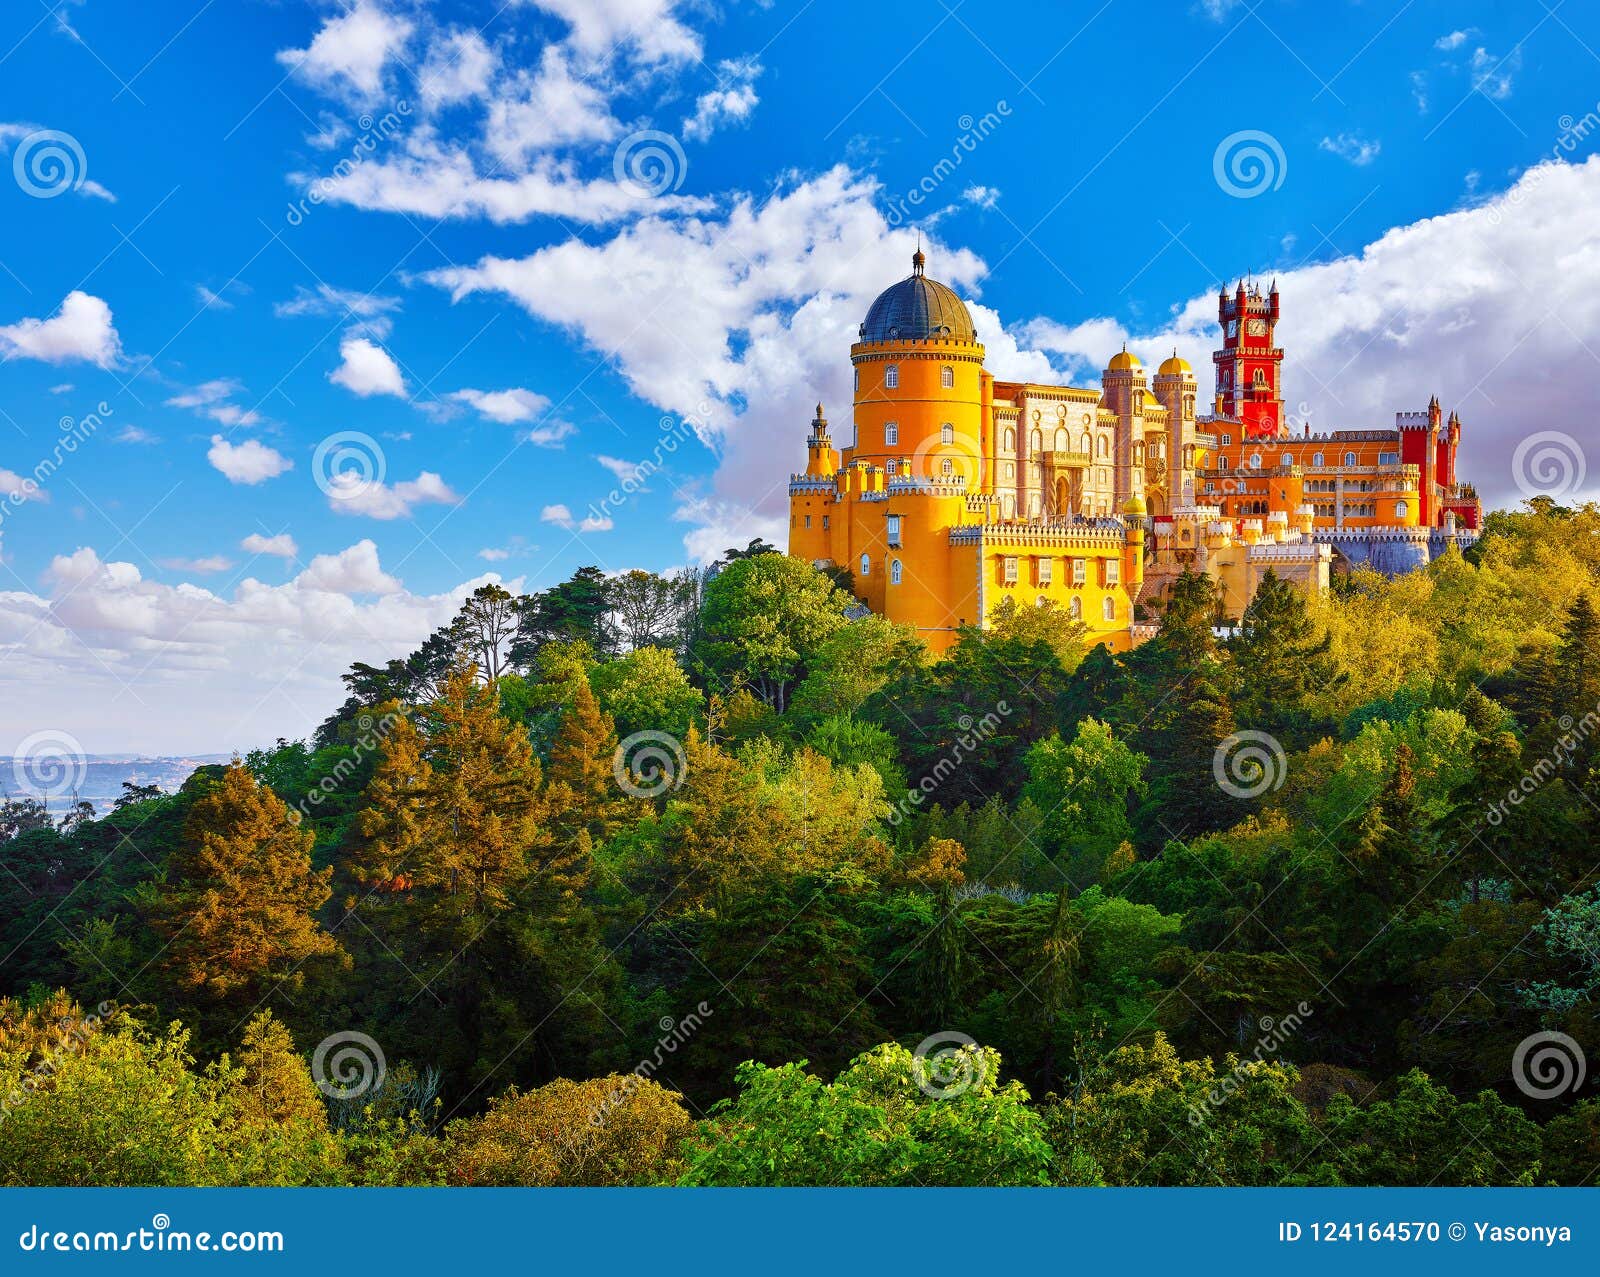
[(238, 905), (764, 619)]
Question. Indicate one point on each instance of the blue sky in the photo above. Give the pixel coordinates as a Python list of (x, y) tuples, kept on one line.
[(414, 228)]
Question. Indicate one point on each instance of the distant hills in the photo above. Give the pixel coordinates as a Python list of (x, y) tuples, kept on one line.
[(103, 777)]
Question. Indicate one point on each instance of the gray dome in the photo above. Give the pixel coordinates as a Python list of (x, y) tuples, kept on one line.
[(918, 308)]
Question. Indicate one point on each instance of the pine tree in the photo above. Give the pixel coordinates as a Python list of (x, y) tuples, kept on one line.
[(239, 902), (1281, 663), (942, 964), (581, 788)]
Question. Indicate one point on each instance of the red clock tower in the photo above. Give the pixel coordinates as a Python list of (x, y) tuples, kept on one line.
[(1249, 365)]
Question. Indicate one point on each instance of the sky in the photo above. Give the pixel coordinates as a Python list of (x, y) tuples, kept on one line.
[(315, 316)]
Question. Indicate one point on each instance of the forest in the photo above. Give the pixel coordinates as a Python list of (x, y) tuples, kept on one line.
[(713, 879)]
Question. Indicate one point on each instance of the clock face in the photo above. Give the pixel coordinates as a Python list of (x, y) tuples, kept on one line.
[(1256, 327)]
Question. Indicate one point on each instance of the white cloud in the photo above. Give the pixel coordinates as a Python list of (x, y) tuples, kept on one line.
[(1455, 39), (506, 406), (982, 196), (134, 434), (367, 369), (280, 546), (351, 51), (125, 663), (213, 399), (535, 111), (1352, 147), (211, 300), (549, 434), (325, 299), (352, 571), (80, 331), (249, 462), (494, 554), (458, 68), (210, 563), (731, 102), (624, 471), (561, 516), (648, 29), (1492, 75), (64, 388), (350, 494), (17, 487)]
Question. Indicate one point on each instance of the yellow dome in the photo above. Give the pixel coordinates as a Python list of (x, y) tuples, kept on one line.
[(1175, 365), (1122, 361), (1134, 506)]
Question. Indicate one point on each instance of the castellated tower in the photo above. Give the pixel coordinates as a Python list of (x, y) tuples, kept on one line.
[(1250, 363), (1172, 483)]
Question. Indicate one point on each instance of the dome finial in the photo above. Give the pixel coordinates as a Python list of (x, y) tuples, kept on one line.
[(917, 259)]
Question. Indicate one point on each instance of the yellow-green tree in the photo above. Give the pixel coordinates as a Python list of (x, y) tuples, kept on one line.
[(239, 902)]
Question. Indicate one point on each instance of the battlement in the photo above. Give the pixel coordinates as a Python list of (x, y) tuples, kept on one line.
[(809, 483), (1105, 533)]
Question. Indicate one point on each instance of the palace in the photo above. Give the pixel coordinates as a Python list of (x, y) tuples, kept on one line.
[(959, 491)]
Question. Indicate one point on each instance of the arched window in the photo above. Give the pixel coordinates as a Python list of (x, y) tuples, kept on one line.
[(1108, 609), (893, 466), (1316, 459), (946, 468), (1255, 461), (1088, 446), (891, 432), (947, 433), (1041, 601), (1033, 506), (947, 377), (1401, 509), (1349, 458), (1036, 441), (1287, 459), (894, 573), (1104, 448), (891, 376), (1010, 440), (858, 379), (1061, 441), (1011, 469), (866, 565), (1075, 608)]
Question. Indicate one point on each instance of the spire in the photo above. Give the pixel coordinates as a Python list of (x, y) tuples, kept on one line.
[(917, 258)]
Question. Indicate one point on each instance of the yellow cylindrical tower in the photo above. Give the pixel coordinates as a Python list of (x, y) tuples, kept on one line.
[(1133, 515), (919, 383)]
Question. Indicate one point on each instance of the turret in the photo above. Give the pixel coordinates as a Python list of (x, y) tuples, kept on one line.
[(1133, 517), (822, 462)]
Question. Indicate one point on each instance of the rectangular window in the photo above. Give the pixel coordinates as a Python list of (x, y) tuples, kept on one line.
[(1044, 571), (808, 520), (891, 433), (1113, 571), (894, 531), (1009, 569), (1226, 440), (893, 466), (824, 521), (1080, 571)]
